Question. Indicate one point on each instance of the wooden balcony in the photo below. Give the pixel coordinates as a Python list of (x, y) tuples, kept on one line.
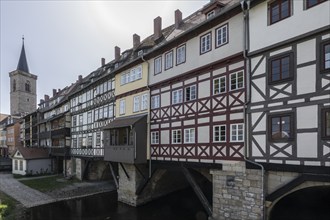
[(87, 152), (44, 135), (61, 132)]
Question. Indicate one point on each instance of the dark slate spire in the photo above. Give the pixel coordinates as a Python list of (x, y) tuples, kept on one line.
[(22, 63)]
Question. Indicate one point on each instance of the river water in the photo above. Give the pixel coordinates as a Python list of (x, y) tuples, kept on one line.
[(182, 205)]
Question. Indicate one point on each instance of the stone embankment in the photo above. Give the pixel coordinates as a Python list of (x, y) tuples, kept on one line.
[(29, 197)]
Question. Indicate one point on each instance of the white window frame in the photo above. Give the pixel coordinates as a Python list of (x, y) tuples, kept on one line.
[(234, 132), (217, 138), (169, 60), (122, 108), (206, 43), (144, 102), (181, 54), (136, 103), (189, 135), (192, 95), (155, 101), (158, 65), (154, 137), (210, 14), (219, 85), (237, 82), (176, 136), (177, 96), (221, 37)]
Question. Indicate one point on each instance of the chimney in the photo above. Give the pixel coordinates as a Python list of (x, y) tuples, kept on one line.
[(136, 41), (177, 18), (80, 78), (117, 53), (157, 28), (54, 92), (42, 101), (102, 61), (46, 98), (58, 90)]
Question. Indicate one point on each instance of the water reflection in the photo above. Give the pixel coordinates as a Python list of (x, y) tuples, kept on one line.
[(183, 205)]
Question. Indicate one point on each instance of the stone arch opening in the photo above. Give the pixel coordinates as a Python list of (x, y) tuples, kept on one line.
[(303, 204)]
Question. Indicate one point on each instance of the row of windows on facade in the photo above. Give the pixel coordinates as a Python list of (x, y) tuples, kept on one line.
[(27, 86), (103, 112), (131, 76), (219, 134), (140, 103), (86, 140), (189, 93), (221, 36), (281, 9), (92, 93)]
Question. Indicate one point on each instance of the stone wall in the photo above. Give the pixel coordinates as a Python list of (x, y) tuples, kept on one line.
[(237, 193)]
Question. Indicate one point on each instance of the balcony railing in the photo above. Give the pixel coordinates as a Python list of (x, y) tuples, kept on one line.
[(87, 152), (45, 134), (62, 132)]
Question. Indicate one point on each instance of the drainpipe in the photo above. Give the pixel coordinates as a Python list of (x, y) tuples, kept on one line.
[(245, 4), (148, 118)]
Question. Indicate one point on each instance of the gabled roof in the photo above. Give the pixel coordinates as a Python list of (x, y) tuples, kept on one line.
[(30, 153), (22, 63)]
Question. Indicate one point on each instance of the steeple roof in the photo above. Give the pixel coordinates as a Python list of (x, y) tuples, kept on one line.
[(22, 63)]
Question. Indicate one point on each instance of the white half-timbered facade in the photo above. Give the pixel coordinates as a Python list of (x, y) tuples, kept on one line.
[(289, 110), (197, 84)]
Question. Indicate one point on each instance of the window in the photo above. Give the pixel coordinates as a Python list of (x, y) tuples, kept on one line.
[(210, 14), (181, 54), (98, 138), (169, 60), (219, 133), (122, 107), (280, 68), (16, 164), (281, 127), (236, 80), (74, 121), (131, 76), (176, 136), (14, 85), (136, 104), (90, 140), (219, 85), (74, 143), (279, 10), (144, 102), (21, 165), (311, 3), (158, 65), (155, 101), (205, 43), (80, 119), (96, 114), (27, 86), (89, 117), (105, 111), (237, 133), (190, 93), (221, 35), (325, 57), (177, 96), (110, 111), (189, 135), (154, 137), (325, 122)]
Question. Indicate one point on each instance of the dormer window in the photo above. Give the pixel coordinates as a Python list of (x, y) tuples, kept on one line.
[(116, 65), (140, 52), (210, 14)]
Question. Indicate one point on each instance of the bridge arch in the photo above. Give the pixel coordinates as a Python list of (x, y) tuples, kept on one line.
[(310, 200)]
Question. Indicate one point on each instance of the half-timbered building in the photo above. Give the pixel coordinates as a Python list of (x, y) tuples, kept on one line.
[(289, 102)]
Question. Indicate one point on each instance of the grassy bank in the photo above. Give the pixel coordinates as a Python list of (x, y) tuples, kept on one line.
[(9, 207), (47, 183)]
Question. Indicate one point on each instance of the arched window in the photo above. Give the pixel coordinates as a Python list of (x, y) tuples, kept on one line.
[(14, 85), (27, 86)]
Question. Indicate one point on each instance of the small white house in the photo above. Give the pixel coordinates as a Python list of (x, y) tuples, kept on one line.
[(31, 161)]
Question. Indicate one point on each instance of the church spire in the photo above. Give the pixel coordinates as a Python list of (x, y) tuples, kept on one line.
[(22, 63)]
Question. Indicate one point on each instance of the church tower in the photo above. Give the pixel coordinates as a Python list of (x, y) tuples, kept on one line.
[(23, 87)]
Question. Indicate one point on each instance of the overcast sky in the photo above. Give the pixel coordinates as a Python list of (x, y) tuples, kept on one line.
[(64, 39)]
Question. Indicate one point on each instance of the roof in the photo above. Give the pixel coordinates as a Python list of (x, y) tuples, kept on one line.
[(124, 122), (30, 153), (22, 63)]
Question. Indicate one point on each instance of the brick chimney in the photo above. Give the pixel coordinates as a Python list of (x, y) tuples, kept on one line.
[(136, 41), (117, 53), (54, 92), (46, 98), (80, 78), (157, 28), (42, 101), (177, 18), (102, 61)]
